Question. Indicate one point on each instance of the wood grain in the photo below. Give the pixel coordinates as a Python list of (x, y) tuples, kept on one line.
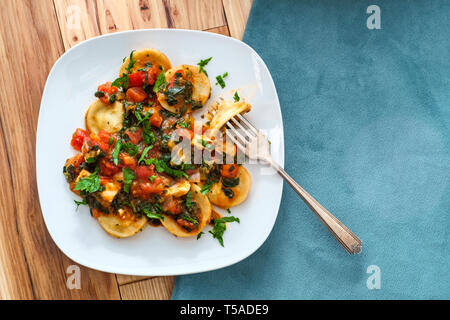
[(237, 12), (31, 43), (33, 34), (159, 288)]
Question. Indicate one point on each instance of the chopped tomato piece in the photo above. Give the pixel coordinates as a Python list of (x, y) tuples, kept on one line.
[(186, 224), (107, 91), (172, 206), (128, 161), (152, 74), (136, 94), (108, 168), (78, 138), (156, 119), (143, 189), (174, 77), (134, 135), (185, 133), (144, 172), (229, 170), (136, 79)]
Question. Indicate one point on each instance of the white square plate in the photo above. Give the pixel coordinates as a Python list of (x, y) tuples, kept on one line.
[(70, 90)]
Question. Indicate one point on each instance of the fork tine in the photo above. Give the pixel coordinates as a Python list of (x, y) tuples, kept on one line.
[(247, 123), (247, 132), (236, 133), (235, 141)]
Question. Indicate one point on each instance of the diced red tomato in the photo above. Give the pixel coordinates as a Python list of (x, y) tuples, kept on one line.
[(156, 119), (143, 189), (181, 71), (152, 74), (185, 133), (134, 135), (108, 90), (78, 138), (172, 206), (108, 168), (144, 172), (186, 224), (229, 170), (136, 94), (97, 140), (128, 161), (136, 79)]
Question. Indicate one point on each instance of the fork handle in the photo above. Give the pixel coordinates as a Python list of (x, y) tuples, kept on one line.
[(345, 236)]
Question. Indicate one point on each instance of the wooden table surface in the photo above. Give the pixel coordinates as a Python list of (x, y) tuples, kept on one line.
[(33, 34)]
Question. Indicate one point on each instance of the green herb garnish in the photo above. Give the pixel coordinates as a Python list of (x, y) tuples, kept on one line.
[(128, 176), (202, 64), (131, 63), (220, 81), (236, 97), (220, 227), (159, 81), (79, 203), (206, 188), (115, 154), (89, 184)]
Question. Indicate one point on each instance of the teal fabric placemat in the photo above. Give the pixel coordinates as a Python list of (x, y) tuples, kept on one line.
[(366, 117)]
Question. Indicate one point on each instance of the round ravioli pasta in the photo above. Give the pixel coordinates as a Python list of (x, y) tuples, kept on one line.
[(108, 117), (205, 215), (201, 87), (142, 57), (120, 226), (218, 197)]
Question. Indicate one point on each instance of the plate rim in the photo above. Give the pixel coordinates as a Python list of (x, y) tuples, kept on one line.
[(105, 268)]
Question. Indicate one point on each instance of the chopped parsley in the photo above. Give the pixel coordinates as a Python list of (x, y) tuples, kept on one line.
[(131, 63), (79, 203), (121, 82), (153, 215), (162, 166), (206, 188), (236, 97), (130, 148), (115, 154), (144, 154), (220, 227), (128, 176), (89, 184), (200, 235), (189, 199), (152, 178), (202, 64), (159, 81), (220, 81)]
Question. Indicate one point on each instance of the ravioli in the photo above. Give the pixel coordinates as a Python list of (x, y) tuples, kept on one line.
[(205, 215), (224, 110), (201, 87), (106, 117), (123, 224), (218, 197), (144, 56)]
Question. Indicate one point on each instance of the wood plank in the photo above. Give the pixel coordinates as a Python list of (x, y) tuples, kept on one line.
[(196, 15), (159, 288), (220, 30), (83, 19), (31, 41), (77, 20), (236, 12), (125, 279), (15, 281)]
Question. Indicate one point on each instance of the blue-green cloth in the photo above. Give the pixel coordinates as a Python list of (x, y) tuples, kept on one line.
[(367, 132)]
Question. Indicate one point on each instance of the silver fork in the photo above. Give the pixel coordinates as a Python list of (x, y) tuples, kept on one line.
[(256, 147)]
